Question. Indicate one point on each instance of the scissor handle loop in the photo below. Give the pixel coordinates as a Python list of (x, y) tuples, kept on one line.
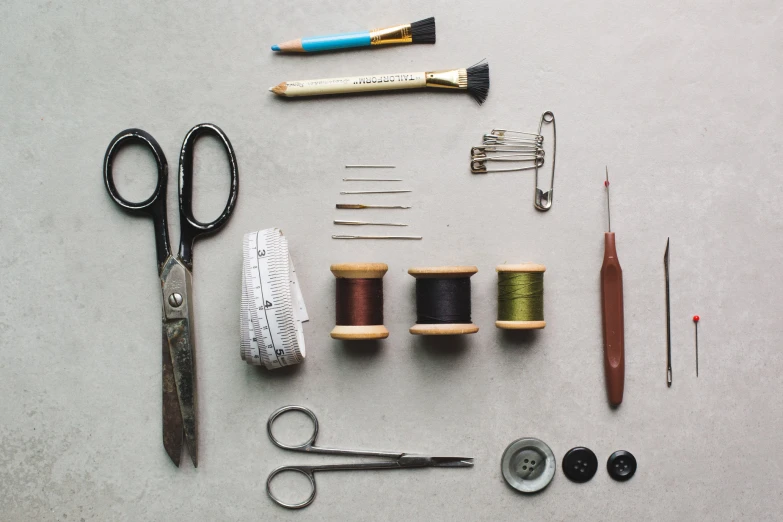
[(155, 205), (305, 446), (190, 227), (304, 470), (128, 137)]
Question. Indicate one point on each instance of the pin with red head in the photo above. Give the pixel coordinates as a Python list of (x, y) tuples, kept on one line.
[(696, 325)]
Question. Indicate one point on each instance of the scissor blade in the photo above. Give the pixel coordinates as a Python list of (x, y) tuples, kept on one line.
[(451, 462), (176, 285), (172, 417), (178, 334)]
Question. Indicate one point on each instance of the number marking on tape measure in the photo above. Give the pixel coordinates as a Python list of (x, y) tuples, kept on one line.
[(273, 309)]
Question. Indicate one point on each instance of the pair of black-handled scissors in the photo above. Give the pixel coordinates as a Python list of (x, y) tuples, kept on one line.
[(176, 275), (397, 459)]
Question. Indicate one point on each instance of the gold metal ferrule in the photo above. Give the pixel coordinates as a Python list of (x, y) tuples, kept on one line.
[(453, 79), (391, 35)]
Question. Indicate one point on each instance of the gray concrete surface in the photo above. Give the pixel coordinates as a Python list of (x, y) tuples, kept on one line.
[(680, 99)]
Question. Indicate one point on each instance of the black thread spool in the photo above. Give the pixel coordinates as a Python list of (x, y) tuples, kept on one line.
[(443, 300), (359, 301)]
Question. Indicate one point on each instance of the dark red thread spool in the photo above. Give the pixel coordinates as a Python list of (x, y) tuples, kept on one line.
[(359, 301)]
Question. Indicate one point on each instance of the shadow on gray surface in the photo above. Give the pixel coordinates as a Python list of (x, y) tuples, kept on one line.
[(441, 346), (390, 93), (283, 373), (359, 349), (517, 339), (301, 56)]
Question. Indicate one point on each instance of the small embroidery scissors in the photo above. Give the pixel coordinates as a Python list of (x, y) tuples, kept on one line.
[(399, 460), (176, 274)]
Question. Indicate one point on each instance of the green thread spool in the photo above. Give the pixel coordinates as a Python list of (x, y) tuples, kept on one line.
[(521, 297)]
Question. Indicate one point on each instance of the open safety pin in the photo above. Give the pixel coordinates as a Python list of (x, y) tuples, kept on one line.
[(543, 199)]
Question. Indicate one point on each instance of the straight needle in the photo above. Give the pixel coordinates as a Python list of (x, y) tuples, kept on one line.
[(612, 311), (347, 222), (372, 179), (356, 206), (373, 191), (668, 319), (341, 236)]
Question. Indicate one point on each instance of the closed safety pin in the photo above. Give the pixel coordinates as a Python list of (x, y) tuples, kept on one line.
[(543, 199), (479, 156), (478, 163), (510, 137)]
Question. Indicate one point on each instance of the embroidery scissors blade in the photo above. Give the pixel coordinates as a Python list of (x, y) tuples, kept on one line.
[(397, 460), (180, 421)]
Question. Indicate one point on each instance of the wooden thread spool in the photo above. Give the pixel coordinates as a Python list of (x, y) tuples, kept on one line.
[(529, 323), (459, 277), (359, 300)]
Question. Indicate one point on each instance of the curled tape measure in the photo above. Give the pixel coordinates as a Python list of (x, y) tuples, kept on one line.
[(273, 309)]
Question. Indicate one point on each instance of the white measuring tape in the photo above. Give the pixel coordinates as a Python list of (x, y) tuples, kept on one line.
[(273, 309)]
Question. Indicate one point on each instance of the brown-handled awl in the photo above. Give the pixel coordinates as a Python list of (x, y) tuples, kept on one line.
[(612, 311)]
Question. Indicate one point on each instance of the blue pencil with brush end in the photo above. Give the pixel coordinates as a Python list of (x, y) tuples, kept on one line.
[(422, 31)]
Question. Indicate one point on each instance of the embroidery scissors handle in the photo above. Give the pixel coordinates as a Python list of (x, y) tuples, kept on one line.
[(399, 460)]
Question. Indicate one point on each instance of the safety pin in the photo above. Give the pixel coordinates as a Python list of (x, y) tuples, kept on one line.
[(543, 199), (519, 156), (478, 165), (502, 135), (500, 154), (484, 149)]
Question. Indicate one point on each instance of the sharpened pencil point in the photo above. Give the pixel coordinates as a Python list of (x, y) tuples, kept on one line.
[(279, 89), (291, 46)]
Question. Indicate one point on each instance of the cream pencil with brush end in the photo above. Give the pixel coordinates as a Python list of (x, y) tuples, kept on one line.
[(474, 80)]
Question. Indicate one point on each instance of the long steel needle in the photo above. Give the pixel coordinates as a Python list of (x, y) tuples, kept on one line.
[(351, 222), (344, 236), (668, 319), (373, 191), (355, 206), (612, 311)]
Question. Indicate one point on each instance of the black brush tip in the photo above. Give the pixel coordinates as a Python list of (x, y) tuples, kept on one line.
[(478, 81), (423, 31)]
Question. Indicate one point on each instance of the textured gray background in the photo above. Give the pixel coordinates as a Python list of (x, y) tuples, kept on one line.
[(680, 99)]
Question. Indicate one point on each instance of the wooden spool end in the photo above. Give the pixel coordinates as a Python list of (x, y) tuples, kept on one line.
[(359, 333), (520, 325), (359, 271), (442, 272), (523, 267), (444, 329)]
